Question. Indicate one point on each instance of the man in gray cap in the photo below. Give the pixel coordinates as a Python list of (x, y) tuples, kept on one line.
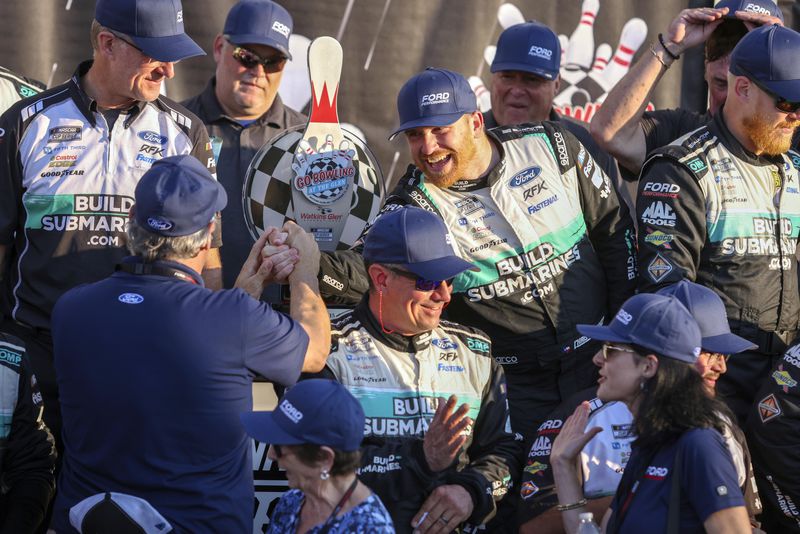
[(720, 206), (70, 161), (525, 80), (242, 109)]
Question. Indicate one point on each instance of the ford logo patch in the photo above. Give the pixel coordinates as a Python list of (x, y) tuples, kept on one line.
[(153, 137), (130, 298), (523, 177), (157, 223), (444, 343)]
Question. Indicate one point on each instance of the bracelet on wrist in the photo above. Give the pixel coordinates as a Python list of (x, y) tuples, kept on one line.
[(675, 57), (571, 506), (658, 57)]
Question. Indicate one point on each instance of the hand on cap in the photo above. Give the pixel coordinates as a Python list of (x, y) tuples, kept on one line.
[(445, 508), (259, 270), (572, 439), (692, 27), (446, 434), (307, 249), (754, 20)]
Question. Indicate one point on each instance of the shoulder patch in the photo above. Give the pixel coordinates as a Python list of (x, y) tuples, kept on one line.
[(507, 133)]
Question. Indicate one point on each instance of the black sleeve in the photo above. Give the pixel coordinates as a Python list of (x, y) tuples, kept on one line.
[(537, 488), (671, 210), (28, 464), (493, 453), (663, 126), (610, 228), (201, 149)]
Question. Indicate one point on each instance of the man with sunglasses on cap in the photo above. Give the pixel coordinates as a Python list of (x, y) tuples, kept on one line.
[(605, 456), (154, 369), (623, 127), (529, 206), (438, 446), (721, 206), (70, 160), (242, 109)]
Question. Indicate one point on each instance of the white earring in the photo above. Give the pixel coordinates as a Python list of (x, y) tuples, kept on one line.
[(324, 475)]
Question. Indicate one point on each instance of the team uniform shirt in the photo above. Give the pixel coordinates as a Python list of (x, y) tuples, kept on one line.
[(603, 459), (398, 380), (67, 182), (14, 88), (774, 433), (369, 517), (154, 371), (707, 484), (711, 212), (27, 453), (239, 145), (554, 246), (580, 130)]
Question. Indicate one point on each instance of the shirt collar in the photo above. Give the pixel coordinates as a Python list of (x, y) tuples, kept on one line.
[(394, 341), (273, 117), (88, 106), (719, 128)]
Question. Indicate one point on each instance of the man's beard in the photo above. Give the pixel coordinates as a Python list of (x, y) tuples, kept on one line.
[(766, 137)]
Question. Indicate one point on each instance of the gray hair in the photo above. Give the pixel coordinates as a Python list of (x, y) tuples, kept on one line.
[(152, 247)]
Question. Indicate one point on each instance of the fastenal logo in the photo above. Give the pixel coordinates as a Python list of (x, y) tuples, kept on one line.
[(130, 298), (281, 28), (435, 98), (290, 411)]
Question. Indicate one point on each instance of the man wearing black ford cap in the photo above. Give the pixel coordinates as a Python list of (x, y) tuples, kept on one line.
[(70, 160), (242, 109), (721, 206), (529, 206), (435, 463), (154, 369)]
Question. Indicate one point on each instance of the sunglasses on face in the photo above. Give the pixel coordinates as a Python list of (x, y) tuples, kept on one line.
[(781, 104), (249, 59), (607, 347), (715, 358), (130, 43), (422, 284)]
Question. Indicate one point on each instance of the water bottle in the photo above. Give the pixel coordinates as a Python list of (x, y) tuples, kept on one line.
[(587, 524)]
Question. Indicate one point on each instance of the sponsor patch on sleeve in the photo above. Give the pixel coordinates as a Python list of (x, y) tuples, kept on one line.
[(659, 268)]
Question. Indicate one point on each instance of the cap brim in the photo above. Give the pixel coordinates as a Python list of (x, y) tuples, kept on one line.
[(261, 426), (441, 268), (524, 67), (168, 49), (426, 122), (788, 89), (601, 333), (727, 344), (260, 40)]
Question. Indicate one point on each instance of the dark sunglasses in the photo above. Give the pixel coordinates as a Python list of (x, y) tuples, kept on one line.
[(781, 104), (422, 284), (249, 59)]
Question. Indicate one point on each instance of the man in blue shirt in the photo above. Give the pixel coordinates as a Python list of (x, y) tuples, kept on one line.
[(154, 369)]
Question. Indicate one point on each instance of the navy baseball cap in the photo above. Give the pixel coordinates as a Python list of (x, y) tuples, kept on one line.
[(155, 26), (708, 310), (528, 47), (417, 240), (259, 22), (768, 55), (317, 411), (764, 7), (177, 196), (656, 322), (434, 97), (119, 513)]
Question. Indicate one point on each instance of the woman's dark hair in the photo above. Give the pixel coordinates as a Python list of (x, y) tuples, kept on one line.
[(673, 401), (344, 462)]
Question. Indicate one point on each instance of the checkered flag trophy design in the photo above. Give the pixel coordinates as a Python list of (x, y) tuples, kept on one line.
[(323, 177)]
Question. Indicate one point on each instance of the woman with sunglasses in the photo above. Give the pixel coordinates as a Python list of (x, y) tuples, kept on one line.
[(680, 476), (316, 432)]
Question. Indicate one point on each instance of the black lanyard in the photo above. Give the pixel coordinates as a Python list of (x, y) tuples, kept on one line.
[(342, 501), (161, 270)]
